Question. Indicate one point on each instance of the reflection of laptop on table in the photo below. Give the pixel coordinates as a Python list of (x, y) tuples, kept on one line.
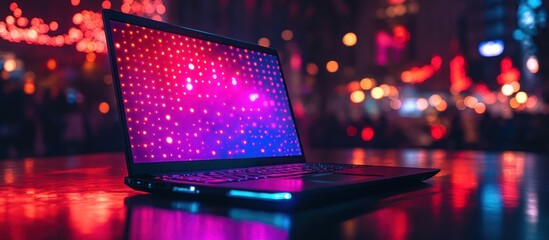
[(205, 115)]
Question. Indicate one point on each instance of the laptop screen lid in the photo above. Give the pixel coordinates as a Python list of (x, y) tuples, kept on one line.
[(190, 100)]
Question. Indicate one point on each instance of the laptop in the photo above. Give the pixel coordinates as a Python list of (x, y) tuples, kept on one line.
[(205, 116)]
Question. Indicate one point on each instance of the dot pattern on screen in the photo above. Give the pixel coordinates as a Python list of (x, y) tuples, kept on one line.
[(188, 99)]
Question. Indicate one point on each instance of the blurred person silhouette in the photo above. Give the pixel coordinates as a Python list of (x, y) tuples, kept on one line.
[(52, 111), (11, 120)]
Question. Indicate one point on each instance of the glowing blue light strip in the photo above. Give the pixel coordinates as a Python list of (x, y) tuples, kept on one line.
[(260, 195)]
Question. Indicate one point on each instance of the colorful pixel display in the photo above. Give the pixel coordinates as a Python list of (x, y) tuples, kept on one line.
[(188, 99)]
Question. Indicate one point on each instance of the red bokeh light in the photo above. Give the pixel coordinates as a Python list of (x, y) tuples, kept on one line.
[(508, 73), (436, 62), (395, 2), (367, 134), (438, 131), (13, 6), (106, 4), (401, 36), (352, 131), (458, 78)]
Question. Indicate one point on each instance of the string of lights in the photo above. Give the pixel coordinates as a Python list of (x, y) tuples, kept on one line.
[(87, 32)]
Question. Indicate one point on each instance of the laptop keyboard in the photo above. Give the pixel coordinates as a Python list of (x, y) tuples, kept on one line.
[(244, 174)]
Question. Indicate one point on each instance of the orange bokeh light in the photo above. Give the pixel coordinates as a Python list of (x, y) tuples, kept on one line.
[(29, 87), (420, 74), (51, 64), (353, 86), (90, 57), (349, 39), (265, 42), (357, 96), (104, 107), (312, 69), (287, 35), (442, 106), (480, 108), (332, 66), (367, 83)]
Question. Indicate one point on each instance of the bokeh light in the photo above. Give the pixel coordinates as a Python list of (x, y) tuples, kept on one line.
[(287, 35), (367, 83), (265, 42), (10, 65), (532, 64), (376, 93), (332, 66), (86, 36), (442, 106), (480, 108), (351, 131), (75, 2), (435, 100), (106, 4), (393, 92), (54, 26), (507, 89), (51, 64), (532, 102), (104, 107), (521, 97), (514, 103), (516, 86), (367, 134), (470, 101), (386, 89), (438, 131), (422, 104), (357, 96), (353, 86), (29, 87), (90, 57), (349, 39), (395, 104), (312, 69)]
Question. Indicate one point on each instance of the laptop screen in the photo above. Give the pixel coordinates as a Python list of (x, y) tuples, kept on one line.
[(188, 99)]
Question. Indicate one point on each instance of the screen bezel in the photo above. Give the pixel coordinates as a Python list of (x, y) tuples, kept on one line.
[(195, 165)]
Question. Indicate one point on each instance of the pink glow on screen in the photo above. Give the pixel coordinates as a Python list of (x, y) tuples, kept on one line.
[(189, 99)]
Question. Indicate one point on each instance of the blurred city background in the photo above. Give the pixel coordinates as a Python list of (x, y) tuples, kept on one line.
[(453, 74)]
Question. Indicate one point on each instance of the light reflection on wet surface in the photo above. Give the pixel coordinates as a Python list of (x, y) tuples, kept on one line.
[(476, 195)]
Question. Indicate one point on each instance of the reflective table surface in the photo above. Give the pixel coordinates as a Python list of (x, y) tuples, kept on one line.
[(477, 195)]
